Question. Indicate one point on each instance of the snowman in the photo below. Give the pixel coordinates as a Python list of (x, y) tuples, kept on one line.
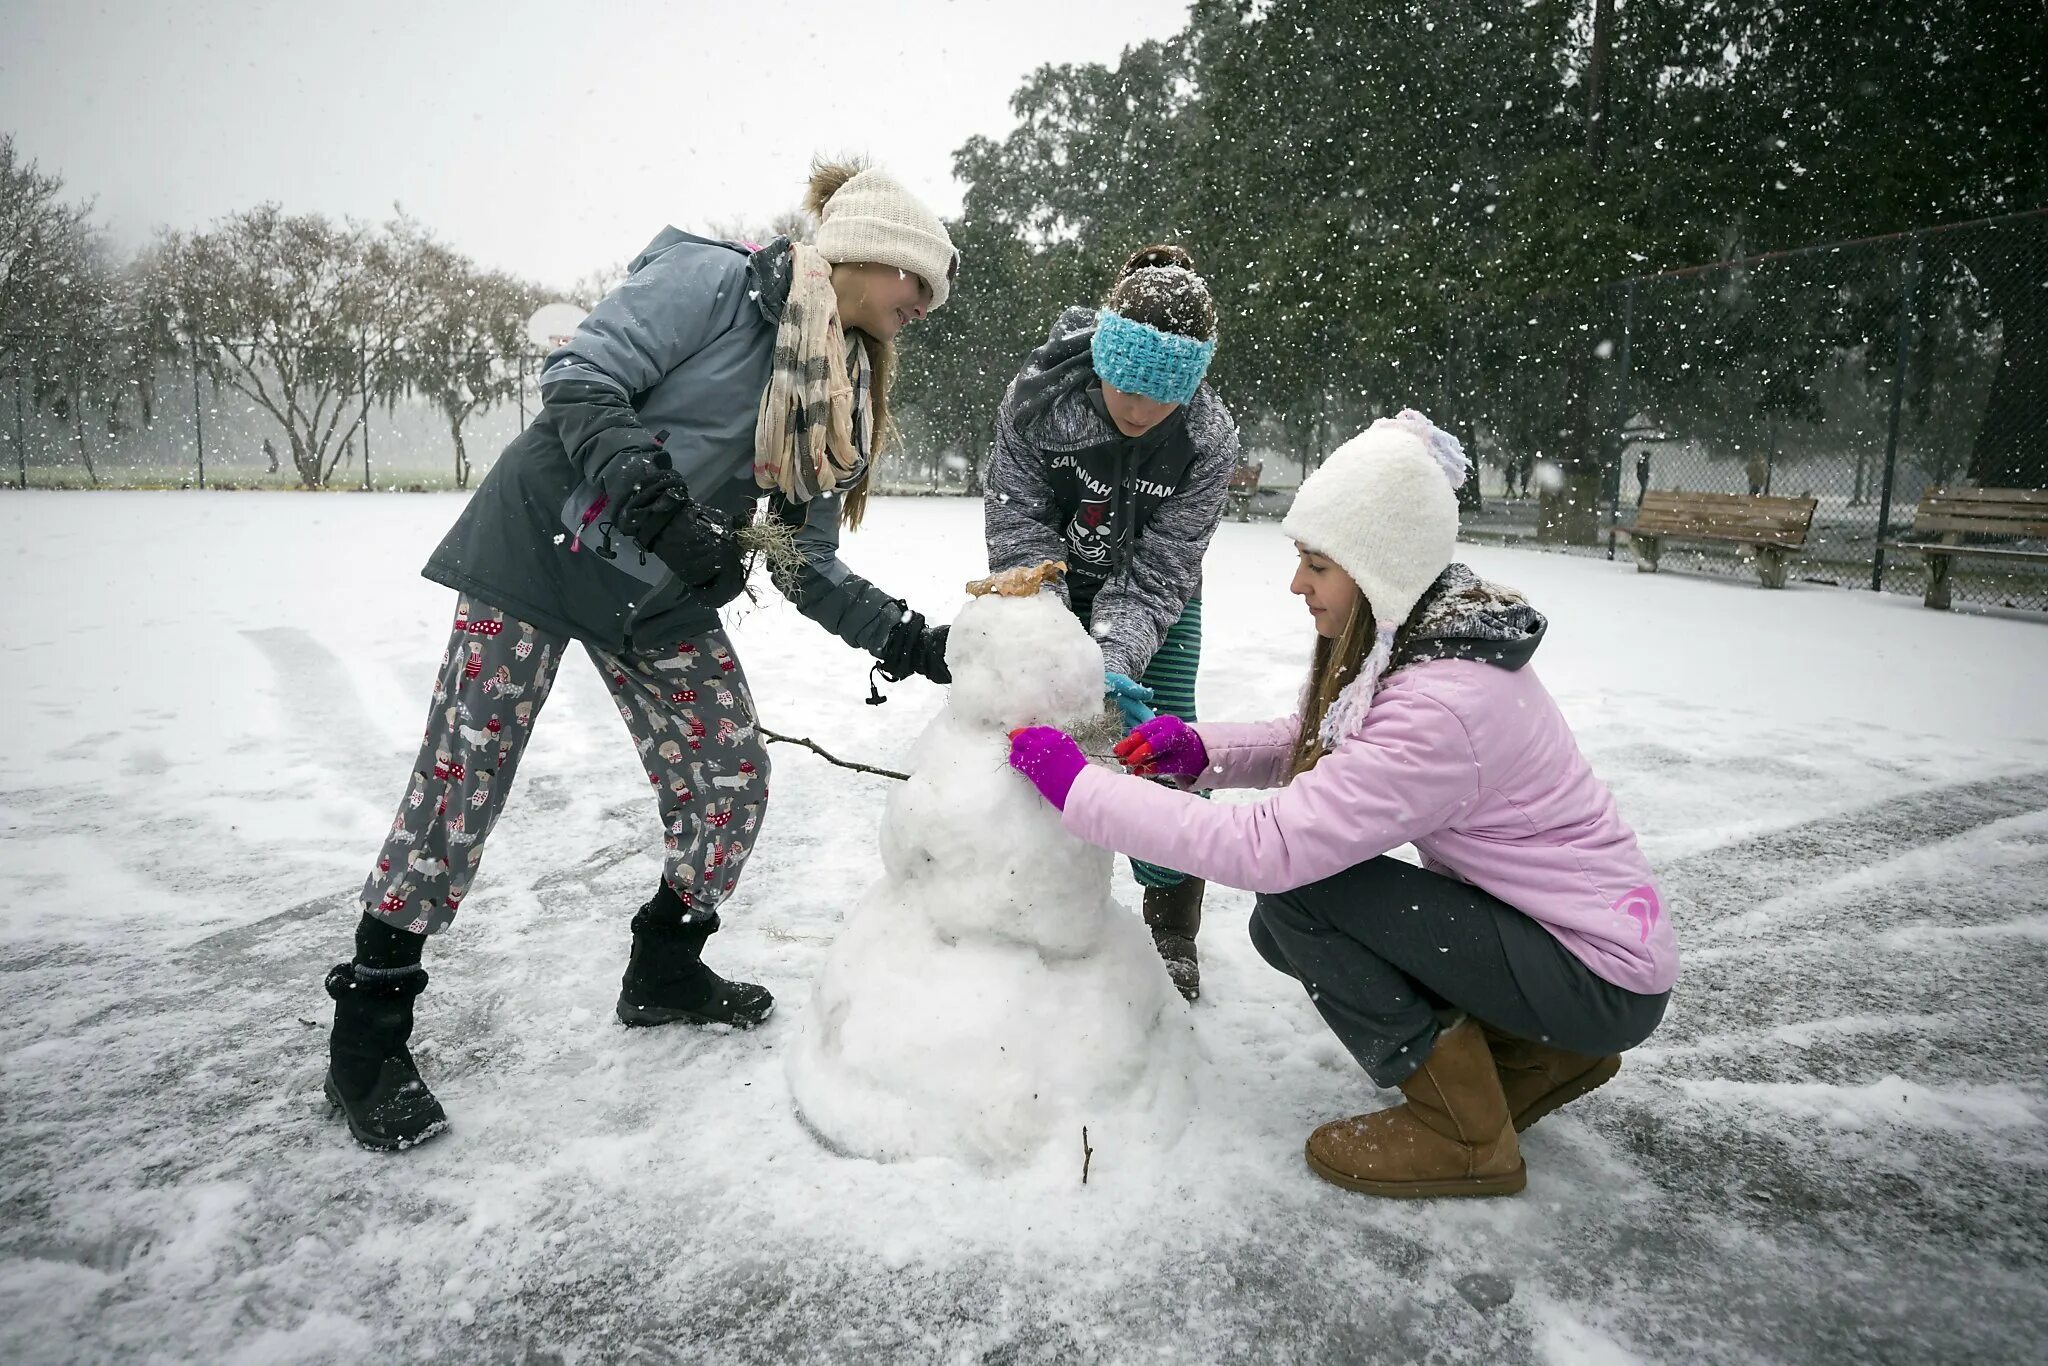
[(988, 998)]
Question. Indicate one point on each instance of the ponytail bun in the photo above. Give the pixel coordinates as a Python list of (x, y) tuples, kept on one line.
[(1158, 254), (1158, 287)]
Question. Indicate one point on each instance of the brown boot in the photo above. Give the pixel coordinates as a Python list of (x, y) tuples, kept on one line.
[(1174, 915), (1451, 1138), (1537, 1078)]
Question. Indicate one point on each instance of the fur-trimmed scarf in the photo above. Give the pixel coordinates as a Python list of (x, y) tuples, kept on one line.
[(815, 429)]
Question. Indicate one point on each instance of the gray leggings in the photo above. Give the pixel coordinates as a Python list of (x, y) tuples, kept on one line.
[(686, 707), (1385, 948)]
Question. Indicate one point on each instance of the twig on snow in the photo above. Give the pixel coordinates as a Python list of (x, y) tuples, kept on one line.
[(1087, 1154)]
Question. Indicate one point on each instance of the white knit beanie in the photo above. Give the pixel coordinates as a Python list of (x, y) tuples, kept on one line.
[(873, 218), (1384, 507)]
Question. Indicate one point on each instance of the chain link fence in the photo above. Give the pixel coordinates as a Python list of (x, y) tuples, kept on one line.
[(165, 423), (1862, 375)]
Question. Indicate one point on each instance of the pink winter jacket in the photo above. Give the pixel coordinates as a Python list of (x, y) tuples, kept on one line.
[(1472, 763)]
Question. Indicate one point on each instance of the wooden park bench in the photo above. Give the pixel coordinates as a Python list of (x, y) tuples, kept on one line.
[(1774, 528), (1244, 485), (1945, 516)]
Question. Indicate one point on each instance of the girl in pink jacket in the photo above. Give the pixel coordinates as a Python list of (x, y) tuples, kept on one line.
[(1499, 980)]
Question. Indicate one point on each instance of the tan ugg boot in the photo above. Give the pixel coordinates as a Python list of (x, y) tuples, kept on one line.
[(1537, 1078), (1174, 915), (1453, 1136)]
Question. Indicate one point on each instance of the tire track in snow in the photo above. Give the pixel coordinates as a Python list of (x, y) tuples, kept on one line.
[(320, 708), (1803, 1064), (1849, 985), (1910, 909), (1735, 878)]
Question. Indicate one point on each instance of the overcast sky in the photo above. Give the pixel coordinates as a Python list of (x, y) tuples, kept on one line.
[(539, 138)]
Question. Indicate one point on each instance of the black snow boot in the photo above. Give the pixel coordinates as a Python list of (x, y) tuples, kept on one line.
[(1174, 915), (666, 980), (371, 1077)]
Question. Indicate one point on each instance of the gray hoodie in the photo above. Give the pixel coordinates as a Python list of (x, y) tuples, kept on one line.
[(1131, 516)]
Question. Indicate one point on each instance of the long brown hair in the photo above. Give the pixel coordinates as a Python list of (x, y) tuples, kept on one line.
[(826, 178), (1334, 663)]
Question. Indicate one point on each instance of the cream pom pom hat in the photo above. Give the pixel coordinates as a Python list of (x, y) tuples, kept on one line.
[(1384, 507), (872, 217)]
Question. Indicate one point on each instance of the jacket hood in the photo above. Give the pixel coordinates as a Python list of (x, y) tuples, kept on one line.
[(1462, 616), (768, 267), (1063, 363)]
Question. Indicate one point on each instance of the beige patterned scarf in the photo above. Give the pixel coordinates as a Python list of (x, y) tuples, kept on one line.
[(815, 428)]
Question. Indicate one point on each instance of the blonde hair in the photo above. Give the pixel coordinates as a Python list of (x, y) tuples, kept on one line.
[(826, 179)]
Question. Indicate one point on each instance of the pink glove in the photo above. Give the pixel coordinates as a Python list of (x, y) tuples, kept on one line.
[(1049, 758), (1165, 746)]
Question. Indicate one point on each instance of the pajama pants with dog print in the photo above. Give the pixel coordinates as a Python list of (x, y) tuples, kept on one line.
[(686, 707)]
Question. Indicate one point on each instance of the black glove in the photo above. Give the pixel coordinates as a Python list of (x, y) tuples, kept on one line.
[(915, 648), (695, 541)]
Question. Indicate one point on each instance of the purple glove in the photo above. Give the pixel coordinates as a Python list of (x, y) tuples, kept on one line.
[(1165, 746), (1049, 758)]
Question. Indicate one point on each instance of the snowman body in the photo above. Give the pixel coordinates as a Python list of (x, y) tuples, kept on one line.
[(989, 997)]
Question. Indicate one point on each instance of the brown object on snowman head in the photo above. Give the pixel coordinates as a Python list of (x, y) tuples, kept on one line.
[(1022, 582)]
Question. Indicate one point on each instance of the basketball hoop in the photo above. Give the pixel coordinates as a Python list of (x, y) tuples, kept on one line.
[(553, 325)]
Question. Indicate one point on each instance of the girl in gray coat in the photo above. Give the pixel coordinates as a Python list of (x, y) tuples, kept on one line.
[(1113, 454), (717, 376)]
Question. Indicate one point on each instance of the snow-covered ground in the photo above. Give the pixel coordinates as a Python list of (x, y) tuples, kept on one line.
[(1835, 1149)]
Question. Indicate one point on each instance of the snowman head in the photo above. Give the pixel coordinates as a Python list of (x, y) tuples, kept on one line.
[(1022, 662)]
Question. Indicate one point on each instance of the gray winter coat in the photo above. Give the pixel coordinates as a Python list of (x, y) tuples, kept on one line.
[(1131, 516), (670, 365)]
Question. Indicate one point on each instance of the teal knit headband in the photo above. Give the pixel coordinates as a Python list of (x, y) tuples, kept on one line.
[(1140, 359)]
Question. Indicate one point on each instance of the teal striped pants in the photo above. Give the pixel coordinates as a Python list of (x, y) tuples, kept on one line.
[(1171, 677)]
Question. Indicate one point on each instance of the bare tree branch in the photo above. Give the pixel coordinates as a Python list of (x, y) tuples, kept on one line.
[(828, 756)]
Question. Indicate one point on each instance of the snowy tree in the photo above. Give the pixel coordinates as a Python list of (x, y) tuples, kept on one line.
[(951, 372), (464, 351), (61, 301), (791, 222), (304, 317), (45, 243), (1416, 204)]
